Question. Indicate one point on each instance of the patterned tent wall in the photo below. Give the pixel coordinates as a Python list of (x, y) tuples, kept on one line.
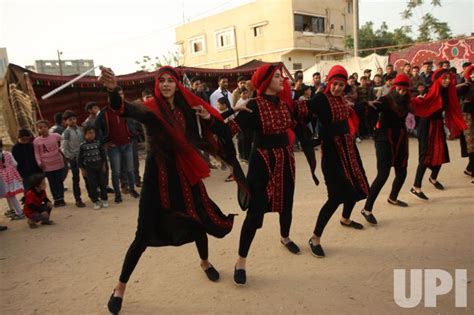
[(457, 51), (88, 89)]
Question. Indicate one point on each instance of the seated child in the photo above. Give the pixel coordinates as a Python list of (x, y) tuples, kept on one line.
[(37, 207)]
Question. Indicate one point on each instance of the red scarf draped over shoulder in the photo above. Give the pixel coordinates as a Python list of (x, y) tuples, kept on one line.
[(187, 157), (339, 73), (261, 80), (433, 101), (467, 73)]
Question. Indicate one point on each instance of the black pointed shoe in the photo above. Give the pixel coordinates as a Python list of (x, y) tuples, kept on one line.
[(212, 274), (398, 203), (316, 250), (437, 184), (353, 224), (291, 246), (115, 304), (420, 194), (369, 217), (240, 276)]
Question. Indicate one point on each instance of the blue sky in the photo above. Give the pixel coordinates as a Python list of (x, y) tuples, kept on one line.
[(119, 32)]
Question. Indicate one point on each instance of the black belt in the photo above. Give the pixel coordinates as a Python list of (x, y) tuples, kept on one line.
[(272, 141), (335, 129)]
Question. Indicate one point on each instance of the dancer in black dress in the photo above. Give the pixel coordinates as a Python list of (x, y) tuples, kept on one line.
[(391, 143), (174, 207), (466, 91), (271, 173), (342, 167), (433, 149)]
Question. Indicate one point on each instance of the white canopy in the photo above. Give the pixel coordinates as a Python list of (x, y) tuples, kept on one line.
[(352, 64)]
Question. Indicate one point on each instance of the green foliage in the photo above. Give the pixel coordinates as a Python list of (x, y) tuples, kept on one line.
[(429, 27), (149, 64), (370, 38)]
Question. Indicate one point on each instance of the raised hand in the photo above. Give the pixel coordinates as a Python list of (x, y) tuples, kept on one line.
[(242, 107), (202, 112), (107, 78)]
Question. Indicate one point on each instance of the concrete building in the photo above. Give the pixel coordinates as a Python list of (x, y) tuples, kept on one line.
[(70, 67), (292, 31), (3, 61)]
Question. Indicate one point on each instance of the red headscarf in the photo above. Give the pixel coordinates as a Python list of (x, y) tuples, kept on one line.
[(262, 78), (401, 81), (467, 73), (187, 156), (433, 102), (339, 73)]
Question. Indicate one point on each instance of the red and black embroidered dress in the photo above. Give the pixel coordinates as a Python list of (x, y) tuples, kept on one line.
[(271, 172), (174, 206), (341, 164), (433, 149)]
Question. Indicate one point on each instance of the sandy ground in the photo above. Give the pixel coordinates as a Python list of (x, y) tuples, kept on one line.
[(71, 268)]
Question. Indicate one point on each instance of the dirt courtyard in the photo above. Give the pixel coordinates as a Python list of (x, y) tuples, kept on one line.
[(71, 267)]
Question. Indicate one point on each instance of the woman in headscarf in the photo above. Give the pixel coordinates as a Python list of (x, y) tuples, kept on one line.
[(271, 172), (391, 143), (174, 207), (341, 164), (433, 149), (466, 91)]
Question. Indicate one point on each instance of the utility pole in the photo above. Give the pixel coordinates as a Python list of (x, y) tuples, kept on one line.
[(236, 48), (355, 19), (60, 63)]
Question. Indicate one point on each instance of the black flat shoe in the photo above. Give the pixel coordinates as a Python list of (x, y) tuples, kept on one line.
[(316, 250), (398, 203), (468, 173), (353, 224), (212, 274), (437, 184), (369, 217), (291, 246), (420, 194), (240, 276), (115, 304)]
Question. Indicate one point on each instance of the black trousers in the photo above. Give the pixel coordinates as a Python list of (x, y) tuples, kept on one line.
[(420, 172), (96, 182), (328, 210), (254, 221), (244, 144), (470, 165), (139, 245), (384, 164)]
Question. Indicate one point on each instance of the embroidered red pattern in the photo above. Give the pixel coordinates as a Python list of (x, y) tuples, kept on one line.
[(179, 118), (234, 127), (291, 160), (354, 163), (275, 118), (209, 208), (163, 183), (340, 110), (278, 184), (345, 144), (188, 197), (302, 109)]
